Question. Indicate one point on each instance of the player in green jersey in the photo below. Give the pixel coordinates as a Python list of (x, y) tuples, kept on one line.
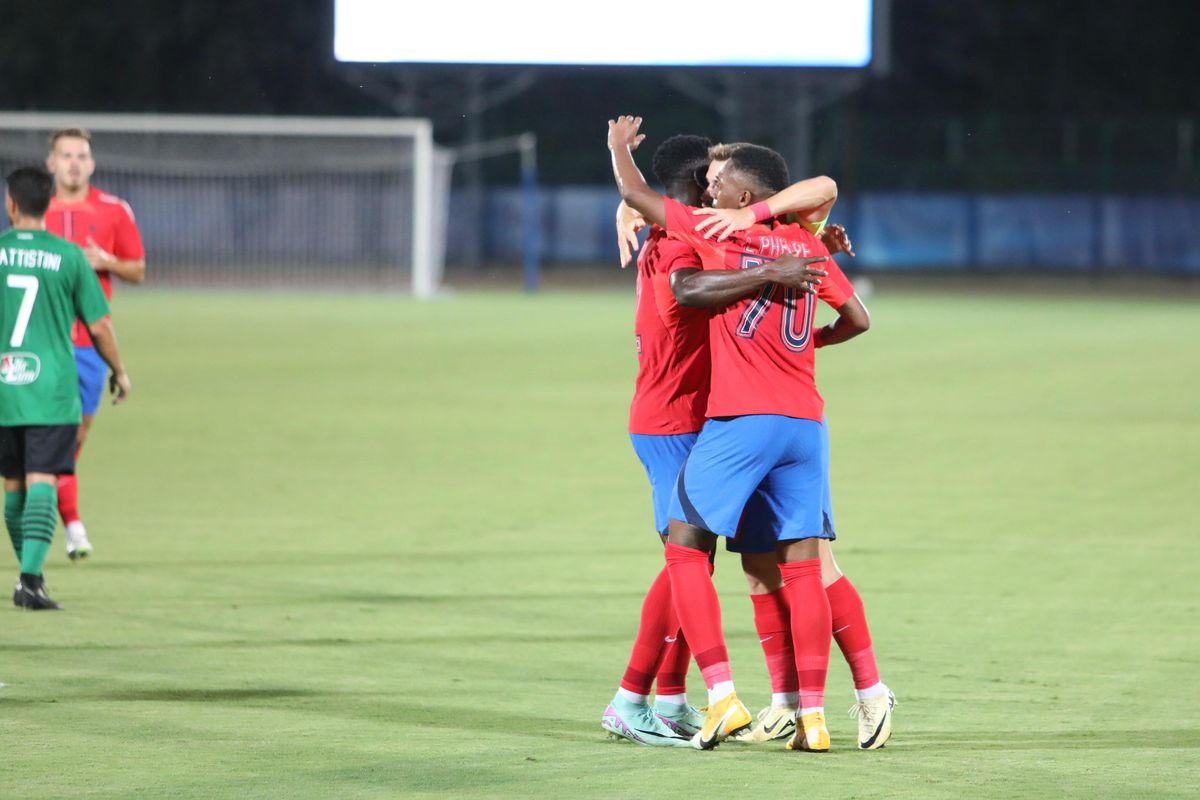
[(45, 284)]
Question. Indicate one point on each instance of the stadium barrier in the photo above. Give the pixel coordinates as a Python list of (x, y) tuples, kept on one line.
[(903, 231)]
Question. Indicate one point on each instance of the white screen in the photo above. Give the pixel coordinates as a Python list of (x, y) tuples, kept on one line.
[(801, 33)]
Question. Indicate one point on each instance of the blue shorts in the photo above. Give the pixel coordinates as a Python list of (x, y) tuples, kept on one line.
[(775, 468), (92, 374), (756, 533), (662, 456)]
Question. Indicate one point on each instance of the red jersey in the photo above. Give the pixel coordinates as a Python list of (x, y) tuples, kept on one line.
[(672, 344), (108, 221), (762, 346)]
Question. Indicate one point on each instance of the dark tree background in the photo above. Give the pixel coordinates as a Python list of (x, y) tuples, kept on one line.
[(1043, 58)]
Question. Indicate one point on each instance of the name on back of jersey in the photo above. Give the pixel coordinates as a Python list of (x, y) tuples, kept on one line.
[(777, 246), (29, 258)]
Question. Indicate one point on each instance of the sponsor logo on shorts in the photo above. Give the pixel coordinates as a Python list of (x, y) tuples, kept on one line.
[(19, 369)]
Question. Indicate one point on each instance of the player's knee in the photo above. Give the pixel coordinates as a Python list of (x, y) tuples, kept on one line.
[(762, 572), (40, 477), (799, 550), (684, 535), (830, 572), (757, 585)]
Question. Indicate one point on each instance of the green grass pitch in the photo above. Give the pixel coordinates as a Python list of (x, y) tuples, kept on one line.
[(362, 547)]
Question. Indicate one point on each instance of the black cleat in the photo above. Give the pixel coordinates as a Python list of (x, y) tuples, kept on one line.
[(30, 593)]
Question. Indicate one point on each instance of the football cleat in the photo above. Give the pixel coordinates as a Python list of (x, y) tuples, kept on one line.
[(638, 723), (811, 733), (722, 720), (78, 546), (874, 720), (680, 717), (773, 722), (30, 593)]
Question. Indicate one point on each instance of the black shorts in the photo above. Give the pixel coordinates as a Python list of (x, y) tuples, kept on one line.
[(38, 448)]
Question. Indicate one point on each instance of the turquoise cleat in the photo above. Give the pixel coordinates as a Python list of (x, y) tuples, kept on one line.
[(682, 718), (638, 723)]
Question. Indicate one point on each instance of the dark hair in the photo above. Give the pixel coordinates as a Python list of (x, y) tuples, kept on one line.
[(676, 161), (30, 189), (762, 165)]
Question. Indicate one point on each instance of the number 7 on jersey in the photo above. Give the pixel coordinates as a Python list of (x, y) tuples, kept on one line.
[(30, 284)]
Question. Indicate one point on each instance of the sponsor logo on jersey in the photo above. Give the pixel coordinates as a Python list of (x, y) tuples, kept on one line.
[(19, 369)]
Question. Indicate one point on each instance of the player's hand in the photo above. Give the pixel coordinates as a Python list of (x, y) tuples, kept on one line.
[(724, 221), (97, 256), (120, 386), (836, 240), (797, 273), (629, 224), (623, 132)]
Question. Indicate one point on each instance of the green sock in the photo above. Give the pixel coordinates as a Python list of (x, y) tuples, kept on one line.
[(37, 526), (14, 507)]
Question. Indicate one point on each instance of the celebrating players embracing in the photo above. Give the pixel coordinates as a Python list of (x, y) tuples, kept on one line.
[(667, 412), (764, 438)]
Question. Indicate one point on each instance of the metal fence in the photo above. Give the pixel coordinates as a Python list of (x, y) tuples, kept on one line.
[(1062, 232)]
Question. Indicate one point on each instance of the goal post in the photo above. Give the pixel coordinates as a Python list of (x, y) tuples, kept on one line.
[(266, 199)]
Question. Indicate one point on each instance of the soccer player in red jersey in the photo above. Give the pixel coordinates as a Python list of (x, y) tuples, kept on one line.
[(665, 416), (103, 225), (808, 202), (764, 434), (874, 700)]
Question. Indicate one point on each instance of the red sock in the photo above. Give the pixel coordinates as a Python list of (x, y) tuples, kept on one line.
[(68, 498), (657, 623), (672, 674), (699, 611), (774, 634), (851, 632), (810, 618)]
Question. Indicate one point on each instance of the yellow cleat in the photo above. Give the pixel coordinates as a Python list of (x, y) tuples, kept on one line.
[(721, 720), (774, 722), (811, 733)]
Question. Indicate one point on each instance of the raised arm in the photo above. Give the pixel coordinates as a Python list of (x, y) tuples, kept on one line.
[(716, 288), (810, 199), (623, 139), (852, 320)]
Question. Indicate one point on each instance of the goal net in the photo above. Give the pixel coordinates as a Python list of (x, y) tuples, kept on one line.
[(267, 201)]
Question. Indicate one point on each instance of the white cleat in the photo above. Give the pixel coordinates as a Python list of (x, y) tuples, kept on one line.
[(78, 546), (773, 722), (874, 720)]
